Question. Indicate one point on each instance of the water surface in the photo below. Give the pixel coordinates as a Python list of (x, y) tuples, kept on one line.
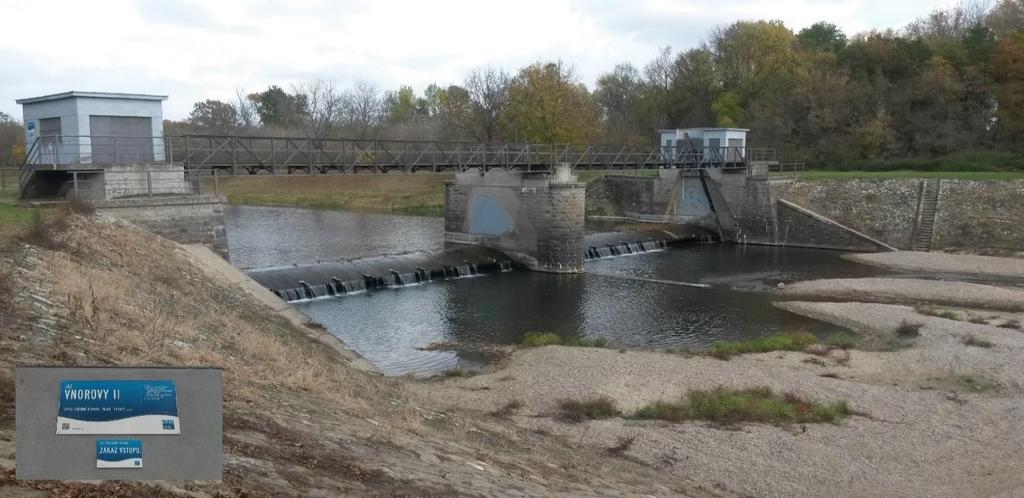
[(611, 299)]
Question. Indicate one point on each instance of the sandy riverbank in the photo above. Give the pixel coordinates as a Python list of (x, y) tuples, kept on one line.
[(939, 414), (939, 262), (907, 290), (927, 435)]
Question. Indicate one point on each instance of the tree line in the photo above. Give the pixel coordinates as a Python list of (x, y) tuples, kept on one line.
[(950, 81)]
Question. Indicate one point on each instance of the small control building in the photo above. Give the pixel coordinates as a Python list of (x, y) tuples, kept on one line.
[(94, 128)]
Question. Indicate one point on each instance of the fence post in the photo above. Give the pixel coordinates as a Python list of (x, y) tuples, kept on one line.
[(215, 189), (74, 179), (149, 183)]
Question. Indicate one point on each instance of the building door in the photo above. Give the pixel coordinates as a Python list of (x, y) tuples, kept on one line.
[(736, 151), (121, 139), (49, 141), (715, 150)]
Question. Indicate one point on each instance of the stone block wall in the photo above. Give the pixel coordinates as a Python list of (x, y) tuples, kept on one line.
[(537, 222), (882, 209), (972, 216), (185, 219)]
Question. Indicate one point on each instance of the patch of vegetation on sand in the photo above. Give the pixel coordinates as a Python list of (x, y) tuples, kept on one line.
[(842, 340), (538, 339), (938, 312), (729, 406), (791, 341), (459, 372), (909, 329), (579, 410), (971, 340), (976, 383)]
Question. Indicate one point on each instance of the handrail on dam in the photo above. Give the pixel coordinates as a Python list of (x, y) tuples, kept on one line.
[(235, 154)]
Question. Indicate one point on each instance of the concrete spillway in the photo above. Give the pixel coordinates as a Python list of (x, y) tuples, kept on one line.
[(337, 279), (295, 283)]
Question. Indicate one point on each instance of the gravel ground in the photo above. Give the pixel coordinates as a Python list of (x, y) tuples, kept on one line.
[(906, 290), (926, 433), (944, 263)]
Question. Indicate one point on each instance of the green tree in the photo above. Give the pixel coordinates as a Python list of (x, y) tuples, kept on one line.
[(823, 36), (276, 107), (404, 106), (548, 104), (213, 116)]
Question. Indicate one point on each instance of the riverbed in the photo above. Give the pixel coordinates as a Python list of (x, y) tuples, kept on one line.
[(615, 298)]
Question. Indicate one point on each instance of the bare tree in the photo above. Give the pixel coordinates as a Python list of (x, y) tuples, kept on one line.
[(363, 107), (324, 105), (488, 94), (244, 110)]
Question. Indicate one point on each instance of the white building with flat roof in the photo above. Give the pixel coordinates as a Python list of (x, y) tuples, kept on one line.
[(722, 144), (94, 127)]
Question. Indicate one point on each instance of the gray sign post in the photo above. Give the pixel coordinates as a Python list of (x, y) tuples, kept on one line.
[(194, 453)]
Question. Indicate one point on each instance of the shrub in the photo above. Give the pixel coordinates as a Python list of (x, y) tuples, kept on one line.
[(537, 339), (1010, 324), (578, 410), (459, 372), (622, 445), (80, 206), (728, 406), (909, 329), (794, 341), (980, 320), (971, 340)]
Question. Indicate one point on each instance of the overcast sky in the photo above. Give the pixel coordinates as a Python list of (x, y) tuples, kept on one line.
[(194, 50)]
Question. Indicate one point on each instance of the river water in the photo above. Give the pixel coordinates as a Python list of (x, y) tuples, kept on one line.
[(611, 299)]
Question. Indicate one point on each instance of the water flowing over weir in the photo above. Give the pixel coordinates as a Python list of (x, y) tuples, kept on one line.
[(296, 283), (338, 279)]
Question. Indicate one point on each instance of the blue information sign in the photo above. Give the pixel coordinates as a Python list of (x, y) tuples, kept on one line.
[(117, 407), (118, 454)]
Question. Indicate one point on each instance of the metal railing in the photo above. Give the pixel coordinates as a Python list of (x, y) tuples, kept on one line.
[(286, 155)]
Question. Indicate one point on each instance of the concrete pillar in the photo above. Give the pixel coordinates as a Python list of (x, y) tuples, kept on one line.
[(535, 218)]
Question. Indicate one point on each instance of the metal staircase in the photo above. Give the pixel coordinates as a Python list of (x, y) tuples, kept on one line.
[(927, 207)]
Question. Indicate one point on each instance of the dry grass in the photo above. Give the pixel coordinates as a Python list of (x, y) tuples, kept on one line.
[(419, 194), (579, 410), (101, 279)]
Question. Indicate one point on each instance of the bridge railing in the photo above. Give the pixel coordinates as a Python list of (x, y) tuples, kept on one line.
[(275, 155)]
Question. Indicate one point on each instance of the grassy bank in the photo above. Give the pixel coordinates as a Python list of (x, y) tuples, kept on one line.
[(413, 194), (420, 194), (15, 219)]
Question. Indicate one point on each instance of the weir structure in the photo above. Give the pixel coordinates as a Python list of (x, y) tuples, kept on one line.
[(520, 199)]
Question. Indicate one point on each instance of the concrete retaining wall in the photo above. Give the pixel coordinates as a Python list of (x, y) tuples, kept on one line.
[(186, 219)]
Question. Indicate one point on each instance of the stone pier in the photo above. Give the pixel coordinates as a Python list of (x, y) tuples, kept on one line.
[(194, 219), (535, 218)]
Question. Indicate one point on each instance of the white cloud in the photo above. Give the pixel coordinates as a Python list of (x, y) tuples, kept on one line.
[(193, 49)]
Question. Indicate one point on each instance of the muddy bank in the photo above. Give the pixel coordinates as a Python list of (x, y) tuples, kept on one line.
[(938, 262)]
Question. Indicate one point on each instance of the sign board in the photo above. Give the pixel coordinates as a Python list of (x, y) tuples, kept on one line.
[(118, 454), (117, 407), (102, 407)]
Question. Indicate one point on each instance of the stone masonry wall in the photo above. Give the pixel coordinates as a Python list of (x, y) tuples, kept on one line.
[(186, 220), (883, 209), (972, 216), (557, 214)]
